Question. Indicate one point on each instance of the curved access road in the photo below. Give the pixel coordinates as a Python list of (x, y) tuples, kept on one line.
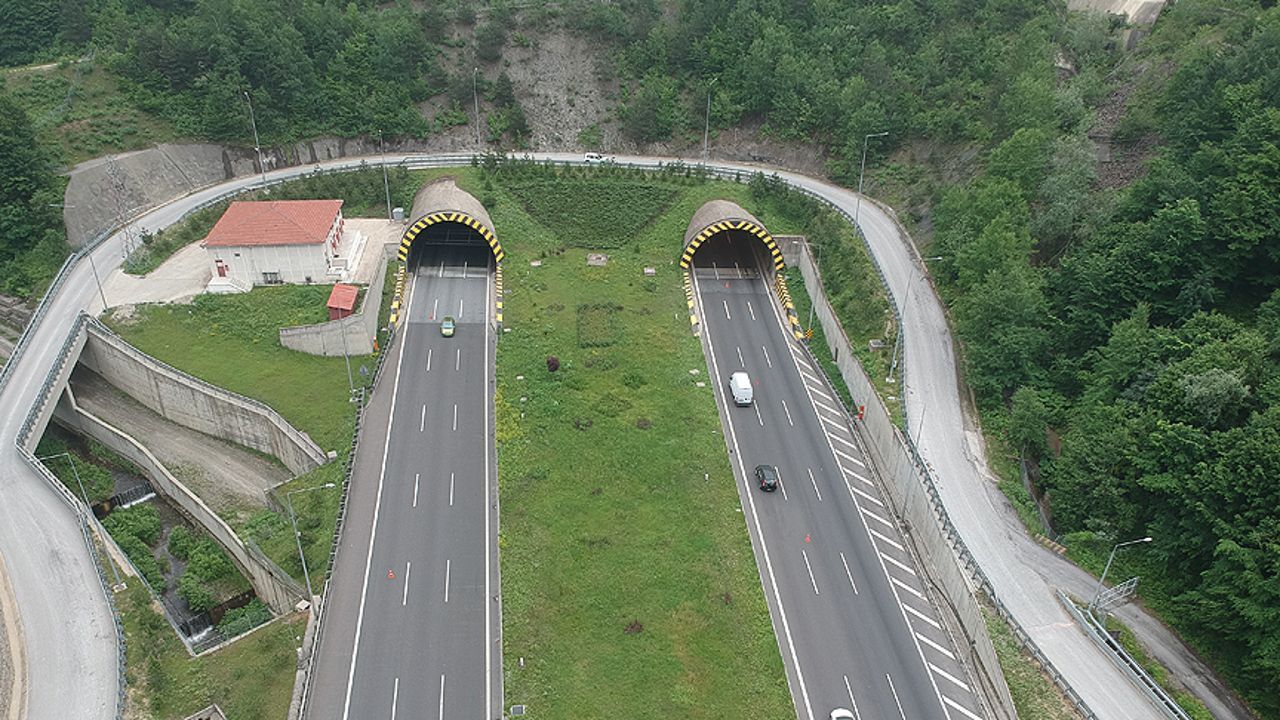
[(66, 620)]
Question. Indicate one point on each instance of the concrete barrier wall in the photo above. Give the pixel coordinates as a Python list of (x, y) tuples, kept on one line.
[(352, 335), (273, 586), (195, 404), (932, 538), (57, 379)]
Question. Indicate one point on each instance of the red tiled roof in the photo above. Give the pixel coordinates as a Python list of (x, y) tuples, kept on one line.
[(275, 222), (343, 297)]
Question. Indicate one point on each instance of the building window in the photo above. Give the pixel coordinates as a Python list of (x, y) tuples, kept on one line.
[(271, 278)]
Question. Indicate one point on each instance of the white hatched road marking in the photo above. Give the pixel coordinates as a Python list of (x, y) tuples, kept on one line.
[(943, 673), (823, 394), (960, 707), (935, 646), (921, 615), (901, 566), (887, 539), (848, 574), (799, 359), (841, 440), (849, 457), (859, 477), (826, 407), (829, 421), (876, 517), (906, 587), (854, 490)]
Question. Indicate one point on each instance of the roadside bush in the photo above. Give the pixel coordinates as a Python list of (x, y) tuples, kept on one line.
[(140, 521), (197, 595), (180, 542), (207, 562), (243, 619), (140, 555)]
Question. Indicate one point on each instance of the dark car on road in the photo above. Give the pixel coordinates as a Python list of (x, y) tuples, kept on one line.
[(767, 477)]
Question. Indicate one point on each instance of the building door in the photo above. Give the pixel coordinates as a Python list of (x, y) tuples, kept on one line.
[(221, 267)]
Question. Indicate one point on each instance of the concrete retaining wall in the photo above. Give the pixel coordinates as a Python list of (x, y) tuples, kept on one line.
[(195, 404), (933, 539), (360, 328), (273, 586)]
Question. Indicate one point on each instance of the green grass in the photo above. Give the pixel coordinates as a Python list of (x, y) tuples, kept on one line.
[(588, 213), (317, 515), (607, 525), (1158, 672), (251, 679), (158, 247), (1034, 695)]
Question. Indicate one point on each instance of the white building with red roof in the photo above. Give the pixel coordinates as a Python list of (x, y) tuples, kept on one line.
[(274, 242)]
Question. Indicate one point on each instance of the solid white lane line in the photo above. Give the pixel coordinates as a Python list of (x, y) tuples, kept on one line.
[(435, 305), (441, 696), (826, 407), (766, 356), (924, 639), (750, 309), (848, 574), (842, 441), (408, 568), (854, 490), (377, 507), (815, 484), (428, 359), (457, 360), (727, 316), (861, 479), (853, 704), (788, 413), (758, 416), (901, 566), (415, 489), (895, 696), (943, 673), (886, 539), (741, 363), (455, 416), (450, 489), (422, 422), (809, 567), (764, 547), (960, 707), (395, 698), (906, 587), (876, 517), (921, 615), (488, 450), (447, 566)]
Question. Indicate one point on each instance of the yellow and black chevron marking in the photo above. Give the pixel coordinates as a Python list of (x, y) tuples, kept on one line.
[(397, 296), (407, 240), (497, 285), (688, 294), (784, 297), (746, 225)]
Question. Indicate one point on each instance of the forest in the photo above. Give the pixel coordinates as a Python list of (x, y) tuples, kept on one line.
[(1123, 337)]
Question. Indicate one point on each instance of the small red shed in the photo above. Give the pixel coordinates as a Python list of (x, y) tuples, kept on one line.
[(342, 301)]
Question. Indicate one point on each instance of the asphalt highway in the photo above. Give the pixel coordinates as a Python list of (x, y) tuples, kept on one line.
[(854, 622), (412, 629)]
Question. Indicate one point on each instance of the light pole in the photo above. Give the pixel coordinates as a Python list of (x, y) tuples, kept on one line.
[(1093, 604), (706, 127), (858, 205), (475, 98), (906, 307), (297, 536), (812, 303), (88, 508), (92, 265), (386, 185), (257, 146)]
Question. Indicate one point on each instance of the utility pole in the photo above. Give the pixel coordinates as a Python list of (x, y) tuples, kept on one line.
[(706, 127), (1093, 604), (297, 536), (858, 206), (386, 185), (906, 307), (88, 252), (257, 145)]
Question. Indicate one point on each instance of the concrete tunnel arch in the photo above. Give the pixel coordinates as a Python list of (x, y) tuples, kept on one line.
[(720, 217), (442, 201)]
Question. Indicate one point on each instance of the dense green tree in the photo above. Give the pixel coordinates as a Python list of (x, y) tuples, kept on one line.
[(32, 241)]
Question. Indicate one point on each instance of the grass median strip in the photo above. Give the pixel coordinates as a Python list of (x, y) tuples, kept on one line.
[(629, 585)]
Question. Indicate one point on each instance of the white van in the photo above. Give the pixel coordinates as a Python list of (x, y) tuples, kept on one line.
[(740, 387), (593, 157)]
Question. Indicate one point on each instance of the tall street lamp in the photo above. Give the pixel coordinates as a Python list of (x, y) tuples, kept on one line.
[(297, 536), (386, 185), (706, 127), (1093, 604), (906, 307), (88, 508), (92, 265), (475, 99), (257, 145), (858, 206)]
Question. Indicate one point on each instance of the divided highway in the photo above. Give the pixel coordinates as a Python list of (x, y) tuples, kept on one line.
[(853, 620), (412, 629)]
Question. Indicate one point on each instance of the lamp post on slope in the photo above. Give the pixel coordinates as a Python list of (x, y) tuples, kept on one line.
[(858, 205), (297, 536), (1093, 604), (257, 145)]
